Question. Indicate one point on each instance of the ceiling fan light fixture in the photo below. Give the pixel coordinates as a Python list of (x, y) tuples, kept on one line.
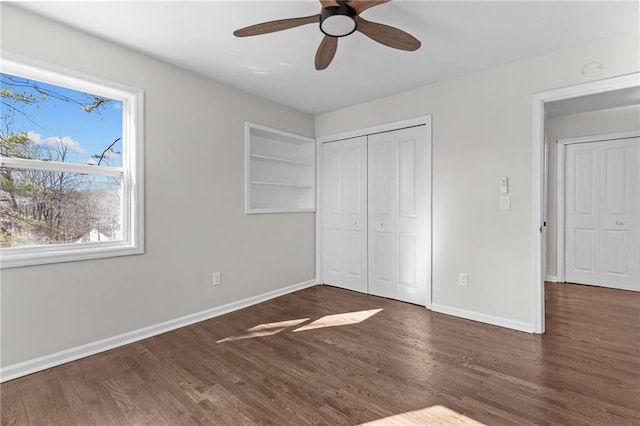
[(339, 18), (338, 21)]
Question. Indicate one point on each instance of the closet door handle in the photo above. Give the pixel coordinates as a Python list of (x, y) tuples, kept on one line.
[(355, 223), (619, 223), (381, 224)]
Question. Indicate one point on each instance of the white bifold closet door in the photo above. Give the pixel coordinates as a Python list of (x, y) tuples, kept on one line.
[(602, 213), (397, 210), (344, 213), (375, 214)]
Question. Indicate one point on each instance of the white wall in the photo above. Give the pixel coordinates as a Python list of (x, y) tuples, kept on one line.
[(569, 126), (482, 130), (194, 144)]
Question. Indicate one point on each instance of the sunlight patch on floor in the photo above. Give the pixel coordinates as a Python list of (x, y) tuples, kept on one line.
[(347, 318), (435, 415), (268, 329)]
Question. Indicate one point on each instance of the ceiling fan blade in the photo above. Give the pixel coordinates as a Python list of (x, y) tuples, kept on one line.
[(361, 5), (273, 26), (327, 3), (389, 36), (326, 52)]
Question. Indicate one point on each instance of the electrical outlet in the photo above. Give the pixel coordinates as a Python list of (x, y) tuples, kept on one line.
[(463, 279), (505, 202), (217, 278)]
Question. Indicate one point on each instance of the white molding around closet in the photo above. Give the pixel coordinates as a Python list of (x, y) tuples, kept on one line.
[(397, 125)]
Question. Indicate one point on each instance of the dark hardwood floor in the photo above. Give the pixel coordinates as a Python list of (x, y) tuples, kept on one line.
[(330, 356)]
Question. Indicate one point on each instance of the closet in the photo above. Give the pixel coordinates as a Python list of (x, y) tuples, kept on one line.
[(602, 211), (376, 214)]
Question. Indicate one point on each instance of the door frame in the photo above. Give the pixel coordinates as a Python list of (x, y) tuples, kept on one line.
[(538, 132), (388, 127), (561, 145)]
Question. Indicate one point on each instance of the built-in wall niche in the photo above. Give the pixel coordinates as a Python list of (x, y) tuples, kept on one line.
[(280, 171)]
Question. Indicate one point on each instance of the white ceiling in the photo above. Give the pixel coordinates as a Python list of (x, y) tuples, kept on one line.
[(457, 38)]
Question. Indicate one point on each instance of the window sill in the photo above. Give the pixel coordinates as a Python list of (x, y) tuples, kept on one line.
[(42, 255)]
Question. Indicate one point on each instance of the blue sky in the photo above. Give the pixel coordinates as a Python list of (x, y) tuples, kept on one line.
[(52, 121)]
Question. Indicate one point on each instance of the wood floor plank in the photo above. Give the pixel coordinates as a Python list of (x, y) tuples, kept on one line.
[(327, 356)]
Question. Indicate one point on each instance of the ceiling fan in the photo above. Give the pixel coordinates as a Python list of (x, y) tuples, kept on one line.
[(339, 18)]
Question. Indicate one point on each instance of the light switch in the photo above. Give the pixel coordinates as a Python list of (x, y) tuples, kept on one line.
[(504, 185), (505, 202)]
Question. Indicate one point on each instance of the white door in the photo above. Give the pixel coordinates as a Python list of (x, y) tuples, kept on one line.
[(602, 213), (399, 263), (344, 213)]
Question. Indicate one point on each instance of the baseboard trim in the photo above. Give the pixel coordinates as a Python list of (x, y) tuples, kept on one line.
[(484, 318), (42, 363), (551, 278)]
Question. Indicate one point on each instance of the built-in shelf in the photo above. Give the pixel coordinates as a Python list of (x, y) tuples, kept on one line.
[(256, 211), (279, 160), (290, 185), (280, 171)]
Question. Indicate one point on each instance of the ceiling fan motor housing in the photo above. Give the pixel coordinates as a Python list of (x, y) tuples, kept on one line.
[(338, 21)]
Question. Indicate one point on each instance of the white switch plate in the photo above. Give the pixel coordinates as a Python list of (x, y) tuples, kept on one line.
[(217, 278), (504, 185), (505, 202), (463, 279)]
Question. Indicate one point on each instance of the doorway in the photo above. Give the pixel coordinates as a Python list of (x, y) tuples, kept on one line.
[(582, 98)]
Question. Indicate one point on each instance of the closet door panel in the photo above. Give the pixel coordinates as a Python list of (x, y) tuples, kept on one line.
[(412, 214), (382, 210), (407, 178), (398, 212), (344, 183), (407, 264)]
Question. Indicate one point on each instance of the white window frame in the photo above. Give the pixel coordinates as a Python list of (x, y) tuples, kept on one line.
[(131, 172)]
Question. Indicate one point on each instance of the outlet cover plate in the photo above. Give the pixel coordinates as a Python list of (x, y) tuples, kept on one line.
[(463, 279), (217, 278)]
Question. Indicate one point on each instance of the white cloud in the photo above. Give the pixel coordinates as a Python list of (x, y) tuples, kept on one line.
[(111, 154), (56, 141)]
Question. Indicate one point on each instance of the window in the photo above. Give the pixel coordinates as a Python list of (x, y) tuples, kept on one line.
[(71, 177)]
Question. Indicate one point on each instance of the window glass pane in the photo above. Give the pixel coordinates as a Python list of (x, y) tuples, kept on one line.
[(52, 123), (47, 207)]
